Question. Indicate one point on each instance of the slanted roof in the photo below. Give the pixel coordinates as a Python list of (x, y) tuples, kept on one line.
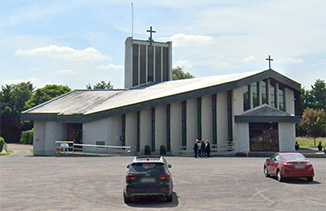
[(266, 113), (89, 105)]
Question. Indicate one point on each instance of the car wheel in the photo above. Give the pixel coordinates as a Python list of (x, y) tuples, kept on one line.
[(266, 172), (310, 179), (126, 199), (169, 198), (279, 176)]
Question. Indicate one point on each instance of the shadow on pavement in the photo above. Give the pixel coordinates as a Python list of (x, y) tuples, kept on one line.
[(154, 202)]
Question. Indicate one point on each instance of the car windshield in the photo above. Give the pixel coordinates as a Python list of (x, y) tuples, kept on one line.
[(145, 167), (294, 157)]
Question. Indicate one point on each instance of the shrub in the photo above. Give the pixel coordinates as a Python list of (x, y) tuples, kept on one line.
[(162, 150), (27, 137), (2, 142), (147, 150)]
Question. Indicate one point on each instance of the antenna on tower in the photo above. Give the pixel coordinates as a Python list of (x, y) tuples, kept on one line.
[(132, 19)]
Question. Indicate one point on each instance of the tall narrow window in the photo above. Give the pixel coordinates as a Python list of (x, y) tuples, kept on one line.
[(158, 60), (272, 95), (199, 135), (153, 129), (168, 128), (150, 63), (135, 65), (255, 96), (281, 99), (123, 130), (142, 64), (184, 123), (138, 131), (214, 113), (264, 92), (246, 98)]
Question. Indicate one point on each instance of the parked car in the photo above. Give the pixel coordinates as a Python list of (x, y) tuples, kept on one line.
[(148, 176), (289, 165)]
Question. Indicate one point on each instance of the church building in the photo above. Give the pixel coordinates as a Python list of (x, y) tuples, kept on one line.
[(248, 112)]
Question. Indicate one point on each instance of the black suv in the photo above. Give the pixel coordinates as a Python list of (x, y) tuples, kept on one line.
[(148, 176)]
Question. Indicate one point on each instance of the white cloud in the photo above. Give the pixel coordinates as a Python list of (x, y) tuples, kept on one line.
[(16, 81), (110, 67), (190, 40), (249, 59), (66, 72), (183, 63), (67, 53), (291, 60)]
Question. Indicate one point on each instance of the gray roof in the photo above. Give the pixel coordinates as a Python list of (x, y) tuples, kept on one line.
[(266, 113), (88, 105)]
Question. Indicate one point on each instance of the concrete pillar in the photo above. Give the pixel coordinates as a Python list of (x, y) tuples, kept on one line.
[(145, 129), (222, 118), (286, 134), (54, 131), (131, 130), (176, 126), (289, 101), (243, 132), (277, 93), (192, 127), (160, 128), (39, 138), (237, 110), (207, 119), (269, 91)]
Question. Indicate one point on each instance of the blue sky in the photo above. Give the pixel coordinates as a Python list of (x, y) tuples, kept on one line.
[(79, 42)]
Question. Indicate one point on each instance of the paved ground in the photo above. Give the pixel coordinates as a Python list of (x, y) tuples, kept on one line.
[(95, 183), (20, 150)]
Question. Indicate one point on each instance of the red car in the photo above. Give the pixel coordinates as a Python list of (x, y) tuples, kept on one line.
[(288, 165)]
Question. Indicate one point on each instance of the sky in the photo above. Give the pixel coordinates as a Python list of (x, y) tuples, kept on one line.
[(80, 42)]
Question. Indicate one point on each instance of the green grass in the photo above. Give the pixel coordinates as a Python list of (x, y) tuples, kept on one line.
[(308, 142), (7, 153)]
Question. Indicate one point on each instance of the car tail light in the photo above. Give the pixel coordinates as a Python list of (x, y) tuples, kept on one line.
[(165, 189), (164, 176), (130, 177)]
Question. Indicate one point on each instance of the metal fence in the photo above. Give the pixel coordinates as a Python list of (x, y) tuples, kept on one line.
[(71, 148), (216, 149)]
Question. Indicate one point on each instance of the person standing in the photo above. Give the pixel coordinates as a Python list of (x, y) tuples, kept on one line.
[(203, 149), (196, 148), (208, 148)]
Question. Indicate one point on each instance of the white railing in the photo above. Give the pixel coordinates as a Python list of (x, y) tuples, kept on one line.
[(69, 147), (215, 149)]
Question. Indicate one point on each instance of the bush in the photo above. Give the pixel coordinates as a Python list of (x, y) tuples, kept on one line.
[(147, 150), (27, 137), (162, 150), (2, 142)]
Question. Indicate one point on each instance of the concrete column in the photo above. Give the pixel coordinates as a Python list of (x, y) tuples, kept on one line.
[(176, 126), (128, 63), (96, 131), (207, 119), (131, 130), (286, 134), (54, 131), (222, 118), (277, 100), (192, 127), (289, 101), (39, 138), (268, 91), (115, 130), (160, 128), (145, 129), (243, 132), (237, 110)]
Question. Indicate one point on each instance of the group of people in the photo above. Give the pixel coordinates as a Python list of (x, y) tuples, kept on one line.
[(202, 149)]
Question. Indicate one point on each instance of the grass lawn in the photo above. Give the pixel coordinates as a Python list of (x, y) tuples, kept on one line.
[(7, 153), (308, 142)]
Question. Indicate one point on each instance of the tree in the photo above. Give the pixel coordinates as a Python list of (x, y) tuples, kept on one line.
[(178, 73), (316, 97), (314, 121), (46, 93), (100, 85)]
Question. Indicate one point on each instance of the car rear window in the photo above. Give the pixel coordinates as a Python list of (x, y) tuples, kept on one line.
[(294, 157), (144, 167)]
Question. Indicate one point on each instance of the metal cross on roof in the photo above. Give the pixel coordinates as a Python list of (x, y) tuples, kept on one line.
[(150, 35), (269, 61)]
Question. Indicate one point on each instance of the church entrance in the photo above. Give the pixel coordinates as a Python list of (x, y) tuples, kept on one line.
[(263, 136), (75, 132)]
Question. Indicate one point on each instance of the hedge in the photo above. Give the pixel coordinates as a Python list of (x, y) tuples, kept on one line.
[(27, 137), (2, 142)]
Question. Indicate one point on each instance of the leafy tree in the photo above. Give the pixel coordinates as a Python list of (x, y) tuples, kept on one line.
[(101, 85), (316, 97), (178, 73), (46, 93), (314, 121)]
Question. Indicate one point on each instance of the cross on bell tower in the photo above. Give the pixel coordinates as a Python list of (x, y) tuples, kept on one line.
[(150, 35), (269, 61)]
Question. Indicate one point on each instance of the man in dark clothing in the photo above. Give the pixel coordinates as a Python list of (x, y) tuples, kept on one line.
[(208, 148), (203, 149), (196, 148)]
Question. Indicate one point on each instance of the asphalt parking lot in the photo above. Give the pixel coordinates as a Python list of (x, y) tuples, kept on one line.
[(96, 183)]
